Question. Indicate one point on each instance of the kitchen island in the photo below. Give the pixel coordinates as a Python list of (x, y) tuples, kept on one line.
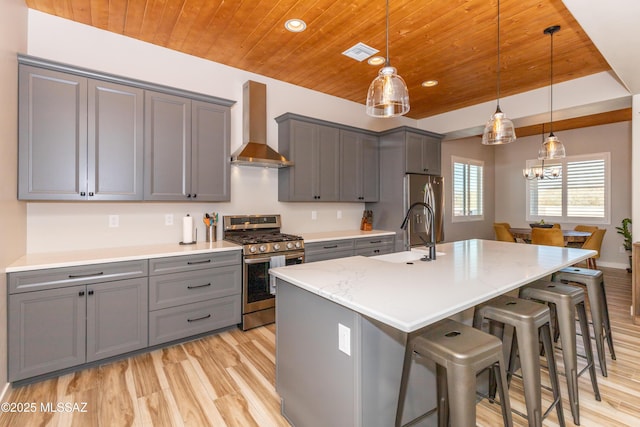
[(343, 324)]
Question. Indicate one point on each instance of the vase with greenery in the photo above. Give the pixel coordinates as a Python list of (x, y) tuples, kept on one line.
[(625, 232)]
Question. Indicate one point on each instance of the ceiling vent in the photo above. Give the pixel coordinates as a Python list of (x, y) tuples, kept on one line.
[(360, 52)]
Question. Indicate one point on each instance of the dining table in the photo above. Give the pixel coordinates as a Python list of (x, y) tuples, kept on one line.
[(571, 237)]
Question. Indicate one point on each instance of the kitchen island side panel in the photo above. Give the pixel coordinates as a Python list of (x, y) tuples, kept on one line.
[(319, 385)]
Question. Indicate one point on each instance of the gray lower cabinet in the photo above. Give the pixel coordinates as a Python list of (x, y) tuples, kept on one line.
[(315, 150), (73, 317), (186, 149), (193, 294), (359, 166), (341, 248), (79, 138)]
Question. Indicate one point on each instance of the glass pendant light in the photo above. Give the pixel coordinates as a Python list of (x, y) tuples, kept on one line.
[(552, 147), (388, 95), (499, 129)]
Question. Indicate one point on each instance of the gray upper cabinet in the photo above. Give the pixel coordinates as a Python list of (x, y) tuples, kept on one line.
[(315, 150), (87, 135), (79, 138), (186, 149), (359, 167), (52, 134), (423, 154)]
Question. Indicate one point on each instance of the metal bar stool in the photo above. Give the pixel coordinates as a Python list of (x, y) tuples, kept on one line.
[(593, 280), (460, 352), (530, 320), (567, 300)]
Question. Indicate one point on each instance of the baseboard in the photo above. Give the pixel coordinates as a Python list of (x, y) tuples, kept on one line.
[(4, 391), (619, 265)]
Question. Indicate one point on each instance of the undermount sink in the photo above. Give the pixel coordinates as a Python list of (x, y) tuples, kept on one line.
[(406, 256)]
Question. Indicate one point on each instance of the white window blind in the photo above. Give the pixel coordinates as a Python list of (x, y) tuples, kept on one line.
[(580, 194), (467, 189)]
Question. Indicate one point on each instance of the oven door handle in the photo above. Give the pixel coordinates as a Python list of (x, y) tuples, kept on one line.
[(267, 259)]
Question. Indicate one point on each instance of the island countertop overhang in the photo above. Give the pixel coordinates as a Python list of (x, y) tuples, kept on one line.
[(411, 296)]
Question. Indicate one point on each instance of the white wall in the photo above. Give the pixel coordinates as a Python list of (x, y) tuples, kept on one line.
[(510, 187), (71, 226), (13, 39)]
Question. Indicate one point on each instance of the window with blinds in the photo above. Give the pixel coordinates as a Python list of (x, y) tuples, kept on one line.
[(467, 189), (580, 194)]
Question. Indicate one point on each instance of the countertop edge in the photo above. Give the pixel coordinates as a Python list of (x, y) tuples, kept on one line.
[(41, 261), (324, 236)]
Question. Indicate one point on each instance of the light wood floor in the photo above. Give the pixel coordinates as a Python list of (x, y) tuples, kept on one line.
[(228, 380)]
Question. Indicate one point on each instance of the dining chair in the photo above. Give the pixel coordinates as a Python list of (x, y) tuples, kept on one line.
[(587, 228), (547, 236), (556, 225), (503, 233), (594, 242)]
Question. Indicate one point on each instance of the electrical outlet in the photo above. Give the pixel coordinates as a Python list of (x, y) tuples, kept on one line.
[(114, 221), (168, 219), (339, 215), (314, 215), (344, 339)]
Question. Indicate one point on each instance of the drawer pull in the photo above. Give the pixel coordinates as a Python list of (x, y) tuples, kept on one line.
[(198, 286), (330, 247), (206, 261), (375, 241), (199, 318), (78, 276)]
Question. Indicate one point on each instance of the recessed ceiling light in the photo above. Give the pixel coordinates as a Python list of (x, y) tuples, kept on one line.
[(376, 60), (295, 25), (429, 83)]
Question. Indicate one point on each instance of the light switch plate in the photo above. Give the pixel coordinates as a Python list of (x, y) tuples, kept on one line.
[(344, 339)]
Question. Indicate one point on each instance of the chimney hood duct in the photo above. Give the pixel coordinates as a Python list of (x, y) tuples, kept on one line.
[(254, 150)]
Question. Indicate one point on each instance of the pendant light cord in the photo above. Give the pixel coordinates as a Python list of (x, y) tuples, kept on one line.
[(387, 63), (551, 79), (498, 73)]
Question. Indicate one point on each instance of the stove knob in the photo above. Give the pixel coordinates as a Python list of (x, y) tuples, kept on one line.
[(276, 246), (263, 248), (289, 245), (252, 249), (298, 245)]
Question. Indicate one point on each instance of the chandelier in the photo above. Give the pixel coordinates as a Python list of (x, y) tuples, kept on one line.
[(542, 172)]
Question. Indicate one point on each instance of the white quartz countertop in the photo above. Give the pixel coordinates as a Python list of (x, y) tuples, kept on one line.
[(39, 261), (408, 294), (345, 234)]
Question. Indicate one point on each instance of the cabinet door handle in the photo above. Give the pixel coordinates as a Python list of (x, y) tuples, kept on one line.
[(90, 193), (376, 251), (189, 196), (330, 247), (206, 261), (195, 195), (79, 276), (81, 293), (198, 286), (82, 193), (90, 292), (199, 318), (425, 169)]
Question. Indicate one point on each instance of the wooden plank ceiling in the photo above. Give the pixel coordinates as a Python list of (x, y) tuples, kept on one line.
[(452, 41)]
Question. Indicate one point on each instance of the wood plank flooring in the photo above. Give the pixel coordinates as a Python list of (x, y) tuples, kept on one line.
[(229, 380)]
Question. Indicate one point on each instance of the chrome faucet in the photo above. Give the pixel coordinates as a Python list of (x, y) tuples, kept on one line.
[(432, 219)]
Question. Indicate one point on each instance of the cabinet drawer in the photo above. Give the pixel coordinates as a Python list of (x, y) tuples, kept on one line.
[(328, 246), (178, 322), (374, 241), (375, 250), (169, 290), (323, 256), (36, 280), (193, 262)]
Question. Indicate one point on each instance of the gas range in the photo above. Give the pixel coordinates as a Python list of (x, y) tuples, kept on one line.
[(260, 234), (263, 247)]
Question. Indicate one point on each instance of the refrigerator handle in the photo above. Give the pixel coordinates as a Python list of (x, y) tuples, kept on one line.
[(429, 198)]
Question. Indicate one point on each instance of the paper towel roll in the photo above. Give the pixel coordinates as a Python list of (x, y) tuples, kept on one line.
[(187, 229)]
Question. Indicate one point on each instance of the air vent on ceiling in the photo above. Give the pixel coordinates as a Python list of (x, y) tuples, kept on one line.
[(360, 52)]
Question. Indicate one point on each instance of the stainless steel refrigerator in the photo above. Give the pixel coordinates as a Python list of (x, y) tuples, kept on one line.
[(430, 190)]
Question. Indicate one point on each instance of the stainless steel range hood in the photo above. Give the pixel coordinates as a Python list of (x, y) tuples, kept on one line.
[(254, 150)]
